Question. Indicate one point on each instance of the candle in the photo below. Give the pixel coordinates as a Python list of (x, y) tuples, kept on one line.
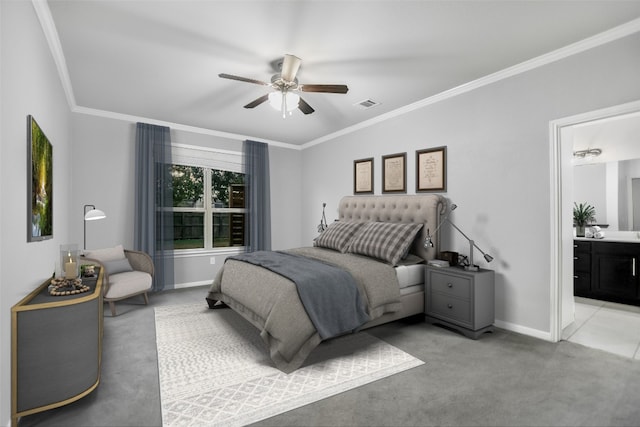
[(70, 270)]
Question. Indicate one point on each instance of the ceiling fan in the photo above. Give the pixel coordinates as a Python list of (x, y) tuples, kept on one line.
[(285, 84)]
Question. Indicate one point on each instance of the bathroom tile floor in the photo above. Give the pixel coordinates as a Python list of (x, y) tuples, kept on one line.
[(611, 327)]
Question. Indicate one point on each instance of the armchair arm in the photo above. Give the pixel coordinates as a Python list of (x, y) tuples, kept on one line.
[(140, 261)]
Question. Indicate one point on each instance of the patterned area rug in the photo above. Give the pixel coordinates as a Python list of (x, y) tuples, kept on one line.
[(215, 370)]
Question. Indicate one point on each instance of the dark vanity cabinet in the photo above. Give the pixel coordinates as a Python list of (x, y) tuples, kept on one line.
[(607, 271), (581, 268)]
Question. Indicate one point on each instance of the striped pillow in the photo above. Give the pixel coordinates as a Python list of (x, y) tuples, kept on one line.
[(385, 240), (338, 235)]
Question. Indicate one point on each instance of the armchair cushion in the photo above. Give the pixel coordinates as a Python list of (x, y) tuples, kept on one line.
[(128, 283)]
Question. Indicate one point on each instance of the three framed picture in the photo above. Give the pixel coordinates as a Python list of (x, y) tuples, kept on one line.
[(431, 172)]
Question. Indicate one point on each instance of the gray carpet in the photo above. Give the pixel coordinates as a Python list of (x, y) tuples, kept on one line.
[(503, 379)]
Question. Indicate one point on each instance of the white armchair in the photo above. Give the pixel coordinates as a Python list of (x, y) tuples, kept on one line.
[(126, 274)]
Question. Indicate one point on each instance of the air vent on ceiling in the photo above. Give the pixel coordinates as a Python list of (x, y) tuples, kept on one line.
[(367, 103)]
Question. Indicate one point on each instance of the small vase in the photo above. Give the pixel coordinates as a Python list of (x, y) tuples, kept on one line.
[(580, 230)]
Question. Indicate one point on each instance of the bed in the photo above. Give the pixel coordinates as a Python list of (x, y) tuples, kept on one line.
[(388, 277)]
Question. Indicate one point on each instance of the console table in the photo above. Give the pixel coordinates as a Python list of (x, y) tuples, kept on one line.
[(56, 348), (460, 299)]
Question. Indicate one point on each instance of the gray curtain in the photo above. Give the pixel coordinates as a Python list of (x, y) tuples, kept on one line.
[(258, 205), (153, 228)]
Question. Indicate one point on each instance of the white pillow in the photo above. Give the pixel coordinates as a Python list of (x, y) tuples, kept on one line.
[(107, 254)]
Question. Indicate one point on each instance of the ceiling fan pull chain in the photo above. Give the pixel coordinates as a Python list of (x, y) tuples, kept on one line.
[(284, 104)]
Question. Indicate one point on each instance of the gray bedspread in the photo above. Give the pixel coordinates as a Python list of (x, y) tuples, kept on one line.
[(271, 302), (329, 294)]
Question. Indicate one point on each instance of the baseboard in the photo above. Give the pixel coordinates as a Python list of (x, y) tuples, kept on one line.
[(191, 284), (536, 333)]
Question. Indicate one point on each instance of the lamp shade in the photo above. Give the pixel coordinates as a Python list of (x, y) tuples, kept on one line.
[(291, 99), (94, 214)]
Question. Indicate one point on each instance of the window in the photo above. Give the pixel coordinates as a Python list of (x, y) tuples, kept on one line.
[(208, 203)]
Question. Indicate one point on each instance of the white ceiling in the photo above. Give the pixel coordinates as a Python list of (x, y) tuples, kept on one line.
[(160, 60)]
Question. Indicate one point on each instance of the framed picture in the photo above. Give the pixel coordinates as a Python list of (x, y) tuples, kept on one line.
[(431, 169), (394, 173), (363, 176), (39, 183)]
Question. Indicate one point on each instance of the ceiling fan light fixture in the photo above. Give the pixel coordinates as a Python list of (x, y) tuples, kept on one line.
[(284, 83), (284, 101)]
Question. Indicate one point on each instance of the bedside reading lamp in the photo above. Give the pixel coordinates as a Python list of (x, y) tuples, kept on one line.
[(323, 220), (428, 243), (91, 215)]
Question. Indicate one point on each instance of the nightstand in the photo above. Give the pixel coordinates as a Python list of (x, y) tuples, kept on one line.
[(460, 299)]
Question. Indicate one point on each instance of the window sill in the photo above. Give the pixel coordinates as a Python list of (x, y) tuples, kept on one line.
[(193, 253)]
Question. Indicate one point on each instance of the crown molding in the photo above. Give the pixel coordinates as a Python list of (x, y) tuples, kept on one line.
[(600, 39), (51, 34), (181, 127)]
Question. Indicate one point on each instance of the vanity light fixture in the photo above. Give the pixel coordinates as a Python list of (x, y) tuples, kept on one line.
[(589, 152), (428, 242)]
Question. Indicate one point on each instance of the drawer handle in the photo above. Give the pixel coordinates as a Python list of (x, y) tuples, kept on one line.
[(449, 285), (575, 277), (575, 257), (449, 306)]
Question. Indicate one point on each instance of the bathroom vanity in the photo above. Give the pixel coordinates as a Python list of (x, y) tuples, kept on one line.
[(607, 269)]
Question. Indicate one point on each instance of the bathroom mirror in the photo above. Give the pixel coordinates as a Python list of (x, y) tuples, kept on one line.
[(610, 180), (613, 189)]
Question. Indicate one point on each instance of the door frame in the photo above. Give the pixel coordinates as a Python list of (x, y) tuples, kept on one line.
[(561, 235)]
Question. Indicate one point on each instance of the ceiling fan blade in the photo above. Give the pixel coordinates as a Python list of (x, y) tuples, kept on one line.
[(257, 102), (324, 88), (290, 67), (304, 107), (242, 79)]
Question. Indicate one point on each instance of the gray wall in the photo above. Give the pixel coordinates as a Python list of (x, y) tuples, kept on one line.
[(104, 153), (498, 148), (29, 85)]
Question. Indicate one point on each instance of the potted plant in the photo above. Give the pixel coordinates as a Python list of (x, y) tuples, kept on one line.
[(583, 214)]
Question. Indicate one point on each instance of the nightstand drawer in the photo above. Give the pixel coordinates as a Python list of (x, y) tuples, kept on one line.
[(451, 308), (451, 285)]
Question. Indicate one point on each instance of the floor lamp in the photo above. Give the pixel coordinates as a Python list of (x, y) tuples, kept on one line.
[(471, 267), (92, 215)]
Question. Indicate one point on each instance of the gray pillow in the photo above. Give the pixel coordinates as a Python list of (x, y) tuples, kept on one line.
[(384, 240), (338, 235), (117, 266)]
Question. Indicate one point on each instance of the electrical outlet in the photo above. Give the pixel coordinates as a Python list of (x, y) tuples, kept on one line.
[(212, 260)]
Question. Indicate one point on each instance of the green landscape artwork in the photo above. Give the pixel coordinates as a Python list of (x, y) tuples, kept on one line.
[(41, 180)]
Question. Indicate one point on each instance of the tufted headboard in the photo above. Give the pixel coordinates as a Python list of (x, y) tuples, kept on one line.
[(398, 208)]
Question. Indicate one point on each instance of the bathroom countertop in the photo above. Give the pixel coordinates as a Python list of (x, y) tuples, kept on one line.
[(628, 237)]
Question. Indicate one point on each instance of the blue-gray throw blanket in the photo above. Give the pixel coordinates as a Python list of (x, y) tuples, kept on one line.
[(329, 294)]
